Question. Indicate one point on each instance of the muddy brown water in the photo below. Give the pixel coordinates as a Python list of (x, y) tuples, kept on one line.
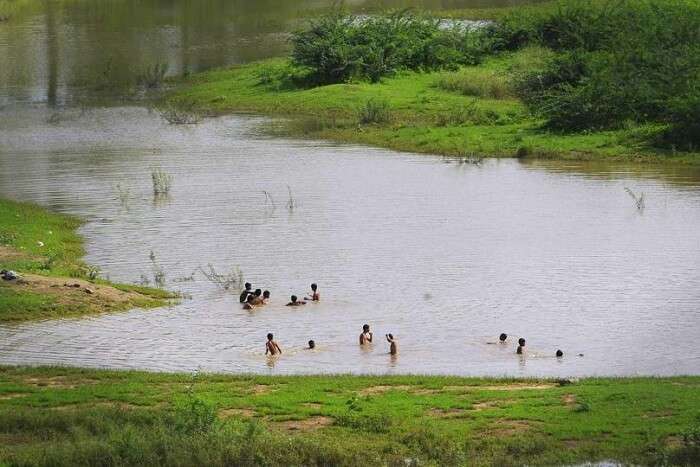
[(443, 255)]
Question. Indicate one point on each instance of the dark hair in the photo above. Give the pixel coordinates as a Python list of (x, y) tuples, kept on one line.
[(269, 336), (560, 353), (314, 286), (391, 336), (503, 336), (365, 327), (248, 285), (312, 344), (257, 292), (294, 298), (521, 341), (266, 293), (250, 298)]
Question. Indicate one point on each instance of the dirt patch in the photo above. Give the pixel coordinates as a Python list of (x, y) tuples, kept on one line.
[(486, 405), (312, 405), (12, 395), (572, 443), (10, 439), (8, 254), (54, 382), (502, 387), (504, 428), (237, 412), (446, 413), (673, 442), (375, 390), (92, 405), (424, 391), (568, 400), (308, 424), (261, 389)]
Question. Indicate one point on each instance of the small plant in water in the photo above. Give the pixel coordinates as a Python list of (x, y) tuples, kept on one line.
[(158, 271), (152, 76), (123, 195), (161, 182), (233, 279), (638, 200), (291, 202), (269, 201), (182, 114)]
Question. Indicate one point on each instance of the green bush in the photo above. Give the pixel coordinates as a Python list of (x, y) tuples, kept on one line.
[(374, 111), (338, 47), (617, 62)]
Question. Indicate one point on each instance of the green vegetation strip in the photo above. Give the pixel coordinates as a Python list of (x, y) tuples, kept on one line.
[(560, 80), (46, 250), (63, 416)]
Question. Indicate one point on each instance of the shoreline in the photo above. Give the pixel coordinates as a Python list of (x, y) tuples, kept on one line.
[(423, 117), (45, 249), (342, 420)]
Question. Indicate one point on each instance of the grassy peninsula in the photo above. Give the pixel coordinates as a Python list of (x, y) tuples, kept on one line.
[(564, 80), (46, 250), (61, 416)]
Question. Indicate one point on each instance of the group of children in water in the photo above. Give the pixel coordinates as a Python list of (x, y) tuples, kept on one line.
[(256, 298)]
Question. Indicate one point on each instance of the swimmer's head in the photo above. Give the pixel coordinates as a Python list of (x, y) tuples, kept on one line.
[(560, 353), (521, 342), (248, 285), (312, 344), (266, 294), (269, 336), (294, 298), (503, 337), (257, 292), (365, 327), (314, 287), (391, 336), (251, 298)]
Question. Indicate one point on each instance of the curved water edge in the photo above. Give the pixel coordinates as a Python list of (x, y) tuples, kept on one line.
[(443, 255)]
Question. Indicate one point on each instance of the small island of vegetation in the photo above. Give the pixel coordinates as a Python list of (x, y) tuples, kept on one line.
[(600, 80)]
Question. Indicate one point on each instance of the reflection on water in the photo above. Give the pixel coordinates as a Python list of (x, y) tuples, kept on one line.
[(444, 256), (63, 52)]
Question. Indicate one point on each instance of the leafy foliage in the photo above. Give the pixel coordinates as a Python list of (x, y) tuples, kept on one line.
[(339, 47)]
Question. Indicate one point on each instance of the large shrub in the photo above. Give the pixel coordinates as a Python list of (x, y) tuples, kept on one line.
[(617, 62), (338, 47)]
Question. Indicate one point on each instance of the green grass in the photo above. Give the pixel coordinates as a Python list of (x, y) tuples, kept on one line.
[(429, 112), (62, 416), (36, 241)]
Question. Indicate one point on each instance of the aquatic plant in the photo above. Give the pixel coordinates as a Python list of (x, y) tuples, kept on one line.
[(638, 200), (291, 202), (152, 76), (269, 201), (227, 281), (158, 271), (123, 195), (181, 114), (162, 181), (374, 111)]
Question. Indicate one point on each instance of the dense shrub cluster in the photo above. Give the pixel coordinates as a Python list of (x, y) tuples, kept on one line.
[(617, 62), (338, 47)]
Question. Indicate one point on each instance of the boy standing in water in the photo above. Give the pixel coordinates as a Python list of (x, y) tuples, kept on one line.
[(521, 346), (295, 301), (314, 296), (246, 292), (366, 336), (393, 345), (271, 346)]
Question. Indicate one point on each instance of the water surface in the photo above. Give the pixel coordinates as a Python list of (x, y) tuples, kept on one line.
[(445, 256)]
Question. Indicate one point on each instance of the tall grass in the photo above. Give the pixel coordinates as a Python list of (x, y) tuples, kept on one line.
[(477, 83), (374, 111), (339, 47), (162, 182), (152, 76)]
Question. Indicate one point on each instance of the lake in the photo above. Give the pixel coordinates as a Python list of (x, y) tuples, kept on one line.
[(445, 256)]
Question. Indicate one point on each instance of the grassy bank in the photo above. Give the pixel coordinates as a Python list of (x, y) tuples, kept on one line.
[(46, 250), (518, 89), (64, 416)]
